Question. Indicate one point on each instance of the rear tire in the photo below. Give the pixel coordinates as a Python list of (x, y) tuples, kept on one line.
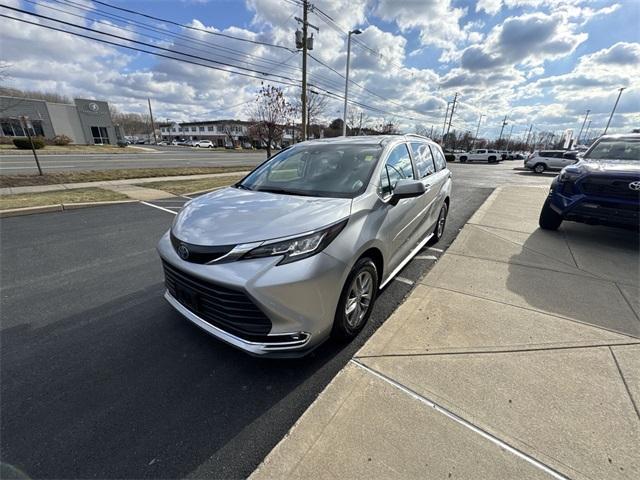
[(549, 219), (438, 231), (539, 167), (463, 159), (360, 288), (493, 160)]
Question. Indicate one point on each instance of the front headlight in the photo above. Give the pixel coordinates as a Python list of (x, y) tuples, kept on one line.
[(568, 176), (293, 249)]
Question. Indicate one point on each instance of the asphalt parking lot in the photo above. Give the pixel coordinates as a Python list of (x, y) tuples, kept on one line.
[(101, 378)]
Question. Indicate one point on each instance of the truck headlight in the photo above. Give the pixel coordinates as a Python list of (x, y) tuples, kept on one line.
[(568, 176), (293, 249)]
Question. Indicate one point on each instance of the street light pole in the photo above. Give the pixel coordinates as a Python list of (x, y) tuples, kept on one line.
[(473, 144), (582, 127), (614, 110), (346, 81)]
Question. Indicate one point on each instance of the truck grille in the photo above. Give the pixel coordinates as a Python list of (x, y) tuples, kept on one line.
[(610, 187), (223, 307)]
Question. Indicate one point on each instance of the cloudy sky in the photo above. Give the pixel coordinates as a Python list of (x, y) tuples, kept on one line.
[(540, 62)]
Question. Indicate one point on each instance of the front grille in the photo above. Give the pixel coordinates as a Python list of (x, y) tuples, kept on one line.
[(610, 187), (226, 308), (200, 253)]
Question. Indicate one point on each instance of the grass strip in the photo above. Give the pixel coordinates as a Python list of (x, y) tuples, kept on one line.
[(54, 178), (179, 187), (78, 195)]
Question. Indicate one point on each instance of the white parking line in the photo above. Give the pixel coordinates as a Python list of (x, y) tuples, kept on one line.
[(435, 249), (426, 257), (403, 280), (159, 208), (465, 423)]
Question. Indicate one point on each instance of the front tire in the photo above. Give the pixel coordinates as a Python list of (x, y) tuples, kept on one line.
[(356, 300), (539, 168), (549, 219), (463, 159), (493, 160)]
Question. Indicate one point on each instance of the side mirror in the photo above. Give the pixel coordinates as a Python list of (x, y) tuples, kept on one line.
[(406, 189)]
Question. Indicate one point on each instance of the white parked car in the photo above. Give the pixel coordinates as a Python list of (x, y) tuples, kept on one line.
[(542, 160), (481, 155), (203, 144)]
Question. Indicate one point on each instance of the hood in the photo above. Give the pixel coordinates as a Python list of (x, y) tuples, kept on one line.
[(608, 166), (231, 216)]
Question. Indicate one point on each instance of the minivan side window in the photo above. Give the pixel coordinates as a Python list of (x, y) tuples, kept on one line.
[(423, 159), (397, 167), (441, 162)]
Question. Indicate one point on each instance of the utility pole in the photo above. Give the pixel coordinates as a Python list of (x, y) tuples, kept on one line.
[(509, 138), (526, 144), (360, 125), (153, 125), (305, 43), (504, 122), (583, 122), (25, 126), (453, 108), (431, 133), (473, 144), (586, 134), (614, 110), (444, 125)]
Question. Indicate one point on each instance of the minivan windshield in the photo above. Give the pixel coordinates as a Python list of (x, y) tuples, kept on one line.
[(320, 170), (615, 149)]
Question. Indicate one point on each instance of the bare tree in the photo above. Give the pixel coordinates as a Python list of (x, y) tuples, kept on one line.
[(317, 106), (131, 123), (269, 115)]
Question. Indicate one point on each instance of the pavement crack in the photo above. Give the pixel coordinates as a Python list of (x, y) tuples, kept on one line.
[(627, 300), (624, 381)]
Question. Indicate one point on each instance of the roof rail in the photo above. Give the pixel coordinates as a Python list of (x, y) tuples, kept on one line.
[(417, 135)]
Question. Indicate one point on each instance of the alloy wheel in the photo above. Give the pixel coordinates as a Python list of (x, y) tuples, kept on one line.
[(359, 298)]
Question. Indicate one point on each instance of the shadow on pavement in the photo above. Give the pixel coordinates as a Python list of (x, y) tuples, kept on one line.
[(152, 395), (607, 262)]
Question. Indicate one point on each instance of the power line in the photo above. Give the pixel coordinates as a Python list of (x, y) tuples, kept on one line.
[(154, 29), (149, 45), (171, 22), (291, 82)]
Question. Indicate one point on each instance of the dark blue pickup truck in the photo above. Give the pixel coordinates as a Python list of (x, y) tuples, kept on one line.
[(602, 188)]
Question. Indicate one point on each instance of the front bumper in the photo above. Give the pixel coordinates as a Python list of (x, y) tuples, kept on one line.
[(299, 299), (594, 209)]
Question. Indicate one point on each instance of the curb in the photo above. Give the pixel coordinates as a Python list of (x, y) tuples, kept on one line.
[(16, 212)]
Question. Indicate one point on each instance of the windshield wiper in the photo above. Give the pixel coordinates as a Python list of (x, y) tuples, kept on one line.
[(243, 187), (284, 191)]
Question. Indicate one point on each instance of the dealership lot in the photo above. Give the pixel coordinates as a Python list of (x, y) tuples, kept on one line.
[(101, 378)]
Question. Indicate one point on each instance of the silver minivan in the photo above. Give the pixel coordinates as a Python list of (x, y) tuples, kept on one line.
[(297, 251)]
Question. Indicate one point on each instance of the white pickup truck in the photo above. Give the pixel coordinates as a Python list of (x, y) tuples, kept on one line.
[(481, 155)]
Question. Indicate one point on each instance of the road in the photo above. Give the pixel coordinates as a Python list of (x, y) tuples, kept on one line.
[(101, 378), (182, 157)]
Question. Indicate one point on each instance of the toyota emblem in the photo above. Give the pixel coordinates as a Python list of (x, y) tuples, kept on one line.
[(635, 186), (183, 251)]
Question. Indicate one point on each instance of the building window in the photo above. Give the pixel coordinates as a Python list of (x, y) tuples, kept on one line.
[(193, 129), (202, 129), (11, 127), (210, 128), (173, 130), (100, 135)]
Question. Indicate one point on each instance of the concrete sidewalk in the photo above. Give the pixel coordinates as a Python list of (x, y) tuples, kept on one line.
[(517, 356), (109, 184)]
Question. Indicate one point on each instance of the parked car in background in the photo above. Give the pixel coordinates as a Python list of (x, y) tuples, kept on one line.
[(481, 155), (540, 161), (603, 187), (202, 144), (298, 249)]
